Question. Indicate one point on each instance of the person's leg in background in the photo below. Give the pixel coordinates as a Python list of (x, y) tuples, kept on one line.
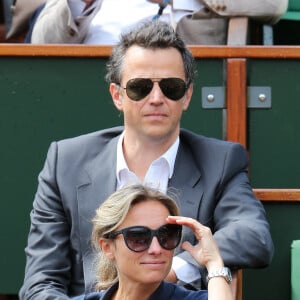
[(7, 13), (31, 24)]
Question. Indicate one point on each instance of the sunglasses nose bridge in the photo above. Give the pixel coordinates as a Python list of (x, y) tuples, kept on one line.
[(154, 245), (156, 94)]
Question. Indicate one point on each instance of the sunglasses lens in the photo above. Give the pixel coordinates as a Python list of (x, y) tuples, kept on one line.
[(173, 88), (169, 236), (138, 239), (138, 88)]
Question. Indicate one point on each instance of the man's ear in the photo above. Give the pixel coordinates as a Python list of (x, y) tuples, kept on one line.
[(107, 247), (116, 95)]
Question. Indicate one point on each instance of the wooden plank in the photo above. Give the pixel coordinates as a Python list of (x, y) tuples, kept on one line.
[(237, 284), (236, 97), (278, 195), (60, 50), (263, 52)]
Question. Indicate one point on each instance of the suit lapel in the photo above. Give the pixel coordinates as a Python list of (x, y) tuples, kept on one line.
[(185, 182), (98, 183)]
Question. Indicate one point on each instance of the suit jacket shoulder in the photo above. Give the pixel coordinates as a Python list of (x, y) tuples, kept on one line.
[(207, 150)]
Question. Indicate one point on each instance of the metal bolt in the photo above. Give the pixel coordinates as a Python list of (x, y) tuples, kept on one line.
[(262, 97), (210, 98)]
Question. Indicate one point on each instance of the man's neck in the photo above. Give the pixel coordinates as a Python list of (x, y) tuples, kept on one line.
[(140, 155)]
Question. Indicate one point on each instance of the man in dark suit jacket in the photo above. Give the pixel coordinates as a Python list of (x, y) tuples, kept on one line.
[(151, 82)]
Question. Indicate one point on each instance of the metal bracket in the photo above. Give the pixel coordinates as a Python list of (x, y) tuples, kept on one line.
[(257, 97), (213, 97)]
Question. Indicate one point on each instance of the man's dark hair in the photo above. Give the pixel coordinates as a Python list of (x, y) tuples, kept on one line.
[(149, 35)]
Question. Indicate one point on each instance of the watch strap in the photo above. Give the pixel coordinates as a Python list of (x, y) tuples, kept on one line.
[(221, 272)]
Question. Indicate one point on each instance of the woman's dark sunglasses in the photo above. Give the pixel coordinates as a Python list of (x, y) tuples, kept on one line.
[(139, 238), (138, 88)]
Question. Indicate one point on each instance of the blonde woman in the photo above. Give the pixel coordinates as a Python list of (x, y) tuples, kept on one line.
[(135, 232)]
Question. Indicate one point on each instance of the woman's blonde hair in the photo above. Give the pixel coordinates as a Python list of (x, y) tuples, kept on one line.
[(112, 213)]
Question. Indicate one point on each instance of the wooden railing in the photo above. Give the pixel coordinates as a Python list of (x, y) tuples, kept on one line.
[(278, 195), (259, 52)]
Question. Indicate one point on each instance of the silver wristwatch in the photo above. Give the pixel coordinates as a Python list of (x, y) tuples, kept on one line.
[(222, 272)]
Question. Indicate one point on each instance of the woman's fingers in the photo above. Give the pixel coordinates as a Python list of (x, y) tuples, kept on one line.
[(205, 251)]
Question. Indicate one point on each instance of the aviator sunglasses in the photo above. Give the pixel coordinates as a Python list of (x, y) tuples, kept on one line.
[(138, 88), (139, 238)]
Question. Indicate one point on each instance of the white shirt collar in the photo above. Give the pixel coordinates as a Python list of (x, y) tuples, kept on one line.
[(124, 175)]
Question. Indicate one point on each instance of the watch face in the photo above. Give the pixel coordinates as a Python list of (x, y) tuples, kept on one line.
[(227, 274)]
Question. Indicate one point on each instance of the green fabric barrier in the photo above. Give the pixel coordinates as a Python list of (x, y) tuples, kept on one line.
[(295, 270)]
